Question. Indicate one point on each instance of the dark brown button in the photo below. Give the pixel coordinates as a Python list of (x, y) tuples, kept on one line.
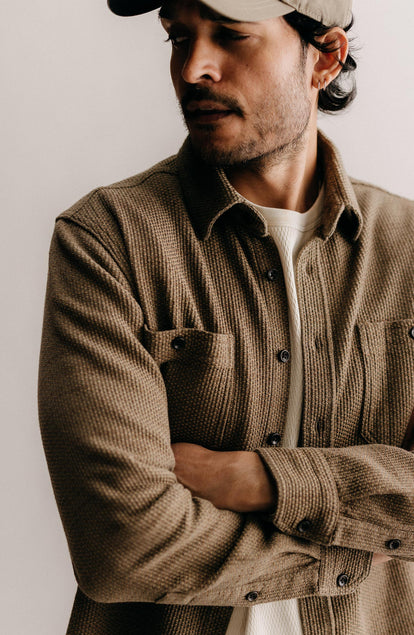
[(304, 526), (252, 596), (393, 544), (178, 343), (284, 356), (411, 332), (272, 274), (342, 580), (274, 439)]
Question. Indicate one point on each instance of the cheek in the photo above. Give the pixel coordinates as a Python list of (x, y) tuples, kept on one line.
[(175, 72)]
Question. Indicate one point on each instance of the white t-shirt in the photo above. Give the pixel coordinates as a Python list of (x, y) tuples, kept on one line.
[(290, 231)]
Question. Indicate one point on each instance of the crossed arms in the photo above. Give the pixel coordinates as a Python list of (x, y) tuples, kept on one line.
[(237, 481), (143, 522)]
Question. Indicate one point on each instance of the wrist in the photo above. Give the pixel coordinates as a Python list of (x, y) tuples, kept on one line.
[(252, 488)]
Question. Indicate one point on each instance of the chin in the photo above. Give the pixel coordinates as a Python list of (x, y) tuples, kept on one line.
[(217, 146), (217, 158), (214, 149), (224, 155)]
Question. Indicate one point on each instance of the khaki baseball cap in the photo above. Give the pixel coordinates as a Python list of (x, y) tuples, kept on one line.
[(329, 12)]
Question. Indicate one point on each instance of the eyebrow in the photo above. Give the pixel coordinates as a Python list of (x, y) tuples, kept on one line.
[(167, 13)]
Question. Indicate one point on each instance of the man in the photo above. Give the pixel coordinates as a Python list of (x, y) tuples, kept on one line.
[(228, 355)]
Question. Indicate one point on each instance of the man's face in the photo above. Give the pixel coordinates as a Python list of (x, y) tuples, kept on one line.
[(244, 87)]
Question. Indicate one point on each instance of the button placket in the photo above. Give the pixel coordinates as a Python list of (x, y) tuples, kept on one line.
[(317, 346)]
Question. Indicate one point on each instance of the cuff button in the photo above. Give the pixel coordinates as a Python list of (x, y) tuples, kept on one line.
[(304, 526)]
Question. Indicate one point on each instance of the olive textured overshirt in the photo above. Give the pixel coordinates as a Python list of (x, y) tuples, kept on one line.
[(166, 320)]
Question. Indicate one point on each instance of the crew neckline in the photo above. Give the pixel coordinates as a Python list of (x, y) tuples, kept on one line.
[(303, 221)]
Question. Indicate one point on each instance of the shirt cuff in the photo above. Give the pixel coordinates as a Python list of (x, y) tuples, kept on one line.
[(307, 496)]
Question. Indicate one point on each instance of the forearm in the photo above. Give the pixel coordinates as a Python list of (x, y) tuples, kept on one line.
[(237, 481), (345, 497), (361, 495)]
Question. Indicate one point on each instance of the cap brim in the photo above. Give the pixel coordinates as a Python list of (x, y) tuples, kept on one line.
[(133, 7), (240, 10), (248, 10)]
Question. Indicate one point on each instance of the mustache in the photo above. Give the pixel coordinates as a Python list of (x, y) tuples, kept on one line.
[(200, 93)]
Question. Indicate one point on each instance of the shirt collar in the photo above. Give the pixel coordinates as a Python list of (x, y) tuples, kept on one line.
[(208, 195), (341, 210)]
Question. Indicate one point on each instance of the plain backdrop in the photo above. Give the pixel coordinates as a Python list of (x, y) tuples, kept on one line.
[(85, 101)]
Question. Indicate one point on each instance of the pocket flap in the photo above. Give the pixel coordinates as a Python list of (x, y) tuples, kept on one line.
[(190, 346)]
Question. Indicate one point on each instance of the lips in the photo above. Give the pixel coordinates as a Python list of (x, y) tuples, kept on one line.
[(205, 106), (205, 111)]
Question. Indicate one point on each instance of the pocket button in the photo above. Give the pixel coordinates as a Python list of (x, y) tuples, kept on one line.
[(178, 343), (342, 580)]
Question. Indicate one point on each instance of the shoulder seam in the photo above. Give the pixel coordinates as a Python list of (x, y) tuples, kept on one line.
[(95, 235), (371, 186), (140, 181), (77, 209)]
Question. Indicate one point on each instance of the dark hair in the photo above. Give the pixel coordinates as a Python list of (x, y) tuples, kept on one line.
[(342, 90)]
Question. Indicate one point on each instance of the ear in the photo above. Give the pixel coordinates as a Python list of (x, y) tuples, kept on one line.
[(328, 65)]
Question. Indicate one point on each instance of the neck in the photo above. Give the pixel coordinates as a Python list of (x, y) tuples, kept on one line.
[(288, 181)]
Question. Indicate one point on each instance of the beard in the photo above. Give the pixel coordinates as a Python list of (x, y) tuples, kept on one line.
[(274, 132)]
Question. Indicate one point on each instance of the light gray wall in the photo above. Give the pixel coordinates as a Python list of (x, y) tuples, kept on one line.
[(86, 101)]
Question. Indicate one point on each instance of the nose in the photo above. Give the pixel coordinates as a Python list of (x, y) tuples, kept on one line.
[(202, 63)]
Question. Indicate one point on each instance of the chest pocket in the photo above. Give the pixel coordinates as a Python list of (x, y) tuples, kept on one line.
[(198, 371), (388, 358)]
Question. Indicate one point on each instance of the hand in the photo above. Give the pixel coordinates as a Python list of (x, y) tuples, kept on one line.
[(237, 481)]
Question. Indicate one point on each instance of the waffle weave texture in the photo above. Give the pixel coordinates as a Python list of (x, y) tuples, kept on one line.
[(177, 253)]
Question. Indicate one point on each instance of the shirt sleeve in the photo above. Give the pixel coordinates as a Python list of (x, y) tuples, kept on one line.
[(360, 497)]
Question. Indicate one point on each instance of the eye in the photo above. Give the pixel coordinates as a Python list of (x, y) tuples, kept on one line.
[(226, 34), (177, 41)]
